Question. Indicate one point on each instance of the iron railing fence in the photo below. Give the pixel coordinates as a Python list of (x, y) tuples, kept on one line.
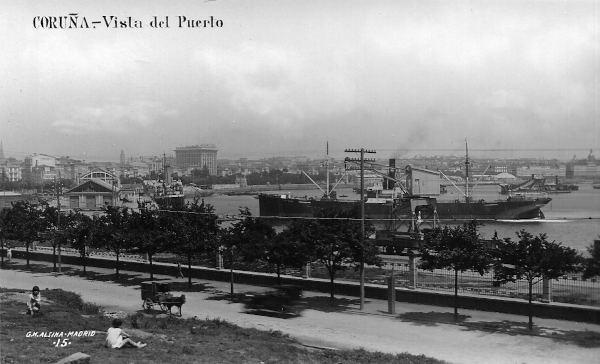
[(568, 289), (574, 289)]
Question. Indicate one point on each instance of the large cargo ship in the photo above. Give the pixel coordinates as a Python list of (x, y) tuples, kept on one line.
[(419, 183), (386, 209)]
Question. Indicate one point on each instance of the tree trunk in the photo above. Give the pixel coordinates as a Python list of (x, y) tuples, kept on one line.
[(231, 273), (83, 262), (455, 295), (278, 274), (331, 290), (59, 263), (150, 260), (54, 257), (530, 306), (331, 286), (117, 268), (362, 285), (27, 253), (189, 256)]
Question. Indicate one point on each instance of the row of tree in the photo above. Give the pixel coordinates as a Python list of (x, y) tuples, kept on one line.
[(531, 258), (334, 239), (193, 230), (29, 184)]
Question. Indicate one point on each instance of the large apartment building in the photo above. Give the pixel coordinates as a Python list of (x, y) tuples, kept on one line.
[(197, 156)]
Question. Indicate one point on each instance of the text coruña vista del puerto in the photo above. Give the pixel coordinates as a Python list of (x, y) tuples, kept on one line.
[(75, 21)]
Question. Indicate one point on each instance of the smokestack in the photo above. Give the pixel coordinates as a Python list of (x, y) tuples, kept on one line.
[(392, 174)]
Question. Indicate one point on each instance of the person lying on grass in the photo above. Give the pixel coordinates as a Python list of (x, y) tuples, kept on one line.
[(33, 303), (117, 338)]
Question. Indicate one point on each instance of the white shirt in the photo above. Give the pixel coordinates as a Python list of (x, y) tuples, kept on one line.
[(34, 299), (114, 337)]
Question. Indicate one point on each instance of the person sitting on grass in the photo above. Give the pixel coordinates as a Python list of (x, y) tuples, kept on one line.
[(33, 303), (117, 338)]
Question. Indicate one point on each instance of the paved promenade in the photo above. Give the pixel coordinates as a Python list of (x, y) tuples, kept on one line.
[(479, 337)]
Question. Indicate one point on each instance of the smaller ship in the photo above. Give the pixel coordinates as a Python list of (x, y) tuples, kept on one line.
[(166, 192), (195, 191), (539, 185)]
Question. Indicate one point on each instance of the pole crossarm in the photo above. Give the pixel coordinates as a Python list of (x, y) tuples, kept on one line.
[(357, 160), (359, 151)]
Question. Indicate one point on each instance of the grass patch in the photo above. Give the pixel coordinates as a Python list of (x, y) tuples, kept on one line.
[(170, 339)]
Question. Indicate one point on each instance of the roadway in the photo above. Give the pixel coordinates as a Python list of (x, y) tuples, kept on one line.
[(417, 329)]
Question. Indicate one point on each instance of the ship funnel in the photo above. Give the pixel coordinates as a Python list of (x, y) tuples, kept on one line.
[(392, 174)]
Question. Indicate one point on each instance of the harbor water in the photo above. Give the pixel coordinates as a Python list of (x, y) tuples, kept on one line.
[(570, 218)]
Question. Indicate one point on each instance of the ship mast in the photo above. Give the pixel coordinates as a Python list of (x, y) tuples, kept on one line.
[(467, 170), (327, 170), (166, 177)]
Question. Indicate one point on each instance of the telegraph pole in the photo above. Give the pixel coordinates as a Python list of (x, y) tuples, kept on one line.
[(362, 152), (57, 186)]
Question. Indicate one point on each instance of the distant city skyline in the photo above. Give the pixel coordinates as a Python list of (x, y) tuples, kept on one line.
[(515, 78), (580, 153)]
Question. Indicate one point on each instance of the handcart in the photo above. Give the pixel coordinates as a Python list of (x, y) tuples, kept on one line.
[(158, 293)]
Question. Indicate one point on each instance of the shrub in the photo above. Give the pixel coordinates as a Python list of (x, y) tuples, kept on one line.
[(71, 300)]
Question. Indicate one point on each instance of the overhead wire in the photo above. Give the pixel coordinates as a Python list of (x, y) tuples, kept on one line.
[(240, 216)]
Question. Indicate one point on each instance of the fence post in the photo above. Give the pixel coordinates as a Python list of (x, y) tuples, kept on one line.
[(546, 290), (392, 292), (412, 272), (219, 259), (306, 271)]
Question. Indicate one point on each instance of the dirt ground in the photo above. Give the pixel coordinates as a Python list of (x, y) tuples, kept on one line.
[(417, 329)]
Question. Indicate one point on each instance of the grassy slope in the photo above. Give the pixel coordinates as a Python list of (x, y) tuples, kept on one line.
[(170, 340)]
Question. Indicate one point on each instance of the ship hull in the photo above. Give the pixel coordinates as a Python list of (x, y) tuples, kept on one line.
[(509, 210), (277, 207), (170, 201)]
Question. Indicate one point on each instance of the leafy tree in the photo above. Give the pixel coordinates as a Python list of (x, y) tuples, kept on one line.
[(253, 236), (460, 249), (334, 239), (245, 240), (253, 240), (150, 232), (284, 251), (364, 252), (229, 239), (205, 173), (82, 232), (79, 230), (10, 185), (592, 264), (113, 231), (532, 258), (195, 226), (22, 222), (49, 229), (3, 213)]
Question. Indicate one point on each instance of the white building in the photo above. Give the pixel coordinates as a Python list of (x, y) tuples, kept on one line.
[(100, 174)]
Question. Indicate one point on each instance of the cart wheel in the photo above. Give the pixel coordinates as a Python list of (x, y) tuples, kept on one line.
[(148, 304)]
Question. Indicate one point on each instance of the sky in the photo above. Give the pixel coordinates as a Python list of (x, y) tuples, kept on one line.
[(283, 78)]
